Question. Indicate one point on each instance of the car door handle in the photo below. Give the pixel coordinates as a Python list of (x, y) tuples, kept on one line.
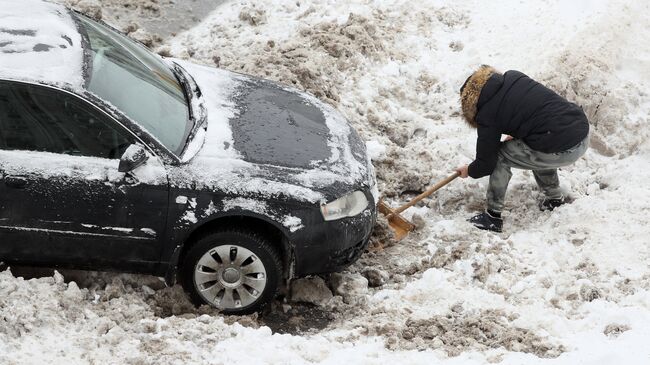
[(15, 182)]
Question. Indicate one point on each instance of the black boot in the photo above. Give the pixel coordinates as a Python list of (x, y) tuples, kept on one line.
[(550, 204), (488, 220)]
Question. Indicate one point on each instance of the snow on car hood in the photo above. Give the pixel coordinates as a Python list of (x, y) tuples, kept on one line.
[(266, 139)]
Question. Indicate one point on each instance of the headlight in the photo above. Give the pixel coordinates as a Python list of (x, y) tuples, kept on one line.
[(347, 206)]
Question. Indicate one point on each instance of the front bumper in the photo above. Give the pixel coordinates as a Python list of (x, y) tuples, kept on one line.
[(332, 246)]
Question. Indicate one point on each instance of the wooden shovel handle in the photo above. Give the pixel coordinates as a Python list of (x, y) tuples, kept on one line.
[(428, 192)]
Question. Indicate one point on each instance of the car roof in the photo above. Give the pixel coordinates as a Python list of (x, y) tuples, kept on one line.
[(40, 42)]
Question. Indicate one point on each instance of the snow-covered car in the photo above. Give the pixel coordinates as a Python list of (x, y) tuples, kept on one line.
[(113, 158)]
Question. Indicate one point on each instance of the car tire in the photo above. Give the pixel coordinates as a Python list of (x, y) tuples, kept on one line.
[(236, 271)]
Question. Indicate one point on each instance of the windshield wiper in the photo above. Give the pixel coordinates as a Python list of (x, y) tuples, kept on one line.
[(185, 86), (197, 113)]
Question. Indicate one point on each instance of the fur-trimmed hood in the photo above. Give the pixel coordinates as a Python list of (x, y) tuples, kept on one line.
[(471, 91)]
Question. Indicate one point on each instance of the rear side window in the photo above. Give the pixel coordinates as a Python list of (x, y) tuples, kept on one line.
[(35, 118)]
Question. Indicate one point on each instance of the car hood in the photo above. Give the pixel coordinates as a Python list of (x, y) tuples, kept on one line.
[(262, 138)]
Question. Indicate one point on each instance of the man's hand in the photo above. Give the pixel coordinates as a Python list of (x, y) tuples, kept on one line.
[(508, 138), (463, 171)]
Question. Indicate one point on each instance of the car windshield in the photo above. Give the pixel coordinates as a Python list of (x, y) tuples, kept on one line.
[(139, 84)]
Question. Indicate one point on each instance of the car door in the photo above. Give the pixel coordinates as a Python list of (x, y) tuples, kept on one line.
[(63, 200)]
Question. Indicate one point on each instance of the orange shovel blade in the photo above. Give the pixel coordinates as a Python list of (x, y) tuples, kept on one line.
[(400, 226)]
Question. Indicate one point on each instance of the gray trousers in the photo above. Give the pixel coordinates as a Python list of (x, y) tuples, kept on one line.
[(515, 153)]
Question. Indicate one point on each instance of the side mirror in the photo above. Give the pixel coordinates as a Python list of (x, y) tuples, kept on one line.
[(134, 157)]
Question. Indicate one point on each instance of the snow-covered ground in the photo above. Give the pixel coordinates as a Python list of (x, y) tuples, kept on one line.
[(571, 286)]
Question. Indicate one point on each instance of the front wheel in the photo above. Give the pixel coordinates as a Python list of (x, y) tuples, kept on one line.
[(236, 271)]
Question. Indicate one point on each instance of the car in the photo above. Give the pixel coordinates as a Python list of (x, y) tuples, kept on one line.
[(113, 158)]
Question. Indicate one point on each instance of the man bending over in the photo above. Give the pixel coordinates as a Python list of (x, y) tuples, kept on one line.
[(544, 131)]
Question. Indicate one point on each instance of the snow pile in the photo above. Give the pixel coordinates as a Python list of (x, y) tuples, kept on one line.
[(376, 150), (45, 49), (571, 286), (609, 78), (125, 15)]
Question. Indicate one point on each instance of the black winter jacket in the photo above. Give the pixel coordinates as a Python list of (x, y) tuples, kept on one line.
[(519, 106)]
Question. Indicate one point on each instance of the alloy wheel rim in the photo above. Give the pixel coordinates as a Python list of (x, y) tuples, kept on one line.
[(230, 277)]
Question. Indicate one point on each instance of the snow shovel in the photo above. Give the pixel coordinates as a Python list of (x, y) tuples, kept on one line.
[(401, 226)]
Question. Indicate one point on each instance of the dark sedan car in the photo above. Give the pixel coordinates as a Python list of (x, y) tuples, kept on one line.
[(112, 158)]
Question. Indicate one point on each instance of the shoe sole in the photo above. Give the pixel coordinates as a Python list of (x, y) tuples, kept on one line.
[(487, 229)]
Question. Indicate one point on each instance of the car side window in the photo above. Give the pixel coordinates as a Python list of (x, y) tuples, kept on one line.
[(36, 118)]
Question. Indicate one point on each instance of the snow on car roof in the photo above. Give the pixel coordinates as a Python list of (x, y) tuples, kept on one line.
[(39, 41)]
